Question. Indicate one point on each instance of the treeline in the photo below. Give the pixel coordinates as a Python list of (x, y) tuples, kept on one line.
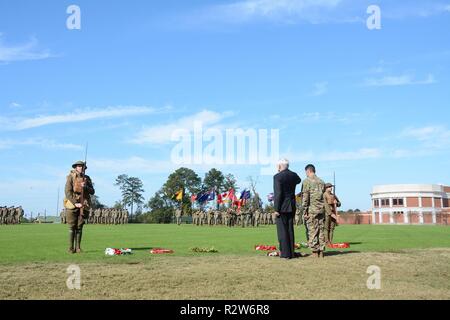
[(160, 208)]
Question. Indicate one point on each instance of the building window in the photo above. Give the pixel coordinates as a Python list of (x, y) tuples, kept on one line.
[(385, 203), (376, 203), (397, 202)]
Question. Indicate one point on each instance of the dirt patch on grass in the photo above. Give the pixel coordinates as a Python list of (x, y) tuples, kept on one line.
[(418, 274)]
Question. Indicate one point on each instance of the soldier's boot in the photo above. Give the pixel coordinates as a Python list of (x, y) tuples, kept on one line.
[(78, 241), (315, 254), (71, 241), (321, 254)]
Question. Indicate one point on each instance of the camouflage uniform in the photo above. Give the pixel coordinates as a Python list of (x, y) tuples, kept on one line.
[(330, 215), (313, 204), (216, 217), (178, 215), (256, 218), (11, 212), (73, 192), (1, 215), (62, 216)]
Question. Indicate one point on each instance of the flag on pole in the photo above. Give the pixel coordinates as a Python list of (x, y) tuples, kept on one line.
[(245, 195), (219, 198), (202, 197), (211, 195), (179, 195)]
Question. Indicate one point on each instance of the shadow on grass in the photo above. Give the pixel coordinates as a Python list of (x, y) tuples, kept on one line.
[(143, 249), (338, 253)]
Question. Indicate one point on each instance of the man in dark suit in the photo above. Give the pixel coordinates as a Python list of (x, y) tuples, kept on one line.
[(284, 186)]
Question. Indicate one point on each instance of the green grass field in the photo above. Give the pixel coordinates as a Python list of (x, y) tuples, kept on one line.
[(417, 258)]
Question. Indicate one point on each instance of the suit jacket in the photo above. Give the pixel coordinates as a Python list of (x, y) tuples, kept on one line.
[(284, 184)]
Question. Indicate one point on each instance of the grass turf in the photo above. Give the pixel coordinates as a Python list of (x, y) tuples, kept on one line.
[(414, 262), (48, 243)]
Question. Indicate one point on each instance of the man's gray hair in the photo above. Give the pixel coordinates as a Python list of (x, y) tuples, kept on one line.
[(284, 163)]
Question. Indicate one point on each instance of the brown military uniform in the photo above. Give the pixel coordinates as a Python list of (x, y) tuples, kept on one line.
[(73, 192), (331, 215)]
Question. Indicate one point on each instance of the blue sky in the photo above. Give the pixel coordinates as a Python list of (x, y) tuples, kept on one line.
[(371, 105)]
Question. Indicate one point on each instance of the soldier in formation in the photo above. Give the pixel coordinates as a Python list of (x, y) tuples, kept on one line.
[(110, 216), (11, 215), (247, 216), (178, 215)]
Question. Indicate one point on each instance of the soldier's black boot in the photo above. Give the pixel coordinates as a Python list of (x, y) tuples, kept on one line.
[(78, 240), (71, 240)]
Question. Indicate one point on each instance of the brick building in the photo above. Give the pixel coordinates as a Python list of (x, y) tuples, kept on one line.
[(411, 204)]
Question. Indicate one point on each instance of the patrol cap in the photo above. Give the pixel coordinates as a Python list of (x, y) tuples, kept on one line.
[(78, 163)]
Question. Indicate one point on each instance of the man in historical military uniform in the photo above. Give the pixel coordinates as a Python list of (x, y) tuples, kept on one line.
[(77, 185), (314, 207), (331, 219)]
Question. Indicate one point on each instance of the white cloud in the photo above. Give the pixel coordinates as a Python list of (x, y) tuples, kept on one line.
[(325, 117), (162, 134), (43, 143), (312, 11), (403, 80), (14, 105), (360, 154), (79, 116), (22, 52), (286, 11), (132, 165), (430, 136), (320, 89)]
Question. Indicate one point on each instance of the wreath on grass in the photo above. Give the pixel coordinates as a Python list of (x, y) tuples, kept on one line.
[(204, 250)]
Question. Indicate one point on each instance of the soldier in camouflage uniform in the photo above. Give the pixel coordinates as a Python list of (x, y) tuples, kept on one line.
[(194, 217), (331, 203), (125, 215), (178, 214), (217, 215), (11, 213), (209, 217), (62, 216), (314, 207), (76, 184), (1, 215), (256, 218)]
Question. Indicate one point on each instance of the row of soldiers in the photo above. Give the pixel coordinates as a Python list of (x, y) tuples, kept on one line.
[(231, 217), (103, 216), (11, 215)]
